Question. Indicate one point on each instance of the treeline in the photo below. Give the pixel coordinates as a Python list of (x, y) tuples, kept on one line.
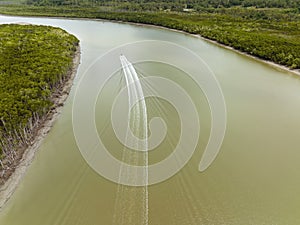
[(174, 5), (34, 61), (243, 3), (275, 37), (277, 41)]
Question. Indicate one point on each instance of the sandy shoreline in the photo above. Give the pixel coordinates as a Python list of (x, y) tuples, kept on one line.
[(10, 185)]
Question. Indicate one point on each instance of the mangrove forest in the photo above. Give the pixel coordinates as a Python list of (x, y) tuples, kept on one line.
[(35, 61)]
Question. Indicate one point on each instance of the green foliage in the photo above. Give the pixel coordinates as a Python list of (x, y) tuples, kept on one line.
[(175, 5), (33, 61), (270, 34)]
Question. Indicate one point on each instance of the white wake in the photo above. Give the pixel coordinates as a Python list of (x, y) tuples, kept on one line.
[(131, 206)]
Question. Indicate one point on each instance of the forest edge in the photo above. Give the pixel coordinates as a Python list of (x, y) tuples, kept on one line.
[(27, 155)]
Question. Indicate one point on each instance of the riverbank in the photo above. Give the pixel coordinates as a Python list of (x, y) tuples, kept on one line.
[(26, 156), (270, 63), (274, 37), (273, 64)]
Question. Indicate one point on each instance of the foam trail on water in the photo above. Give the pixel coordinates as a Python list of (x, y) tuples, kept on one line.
[(131, 206)]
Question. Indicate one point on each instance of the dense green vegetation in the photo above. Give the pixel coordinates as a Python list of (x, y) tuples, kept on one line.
[(270, 34), (175, 5), (34, 62)]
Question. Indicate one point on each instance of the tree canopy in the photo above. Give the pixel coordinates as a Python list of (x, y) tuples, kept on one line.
[(33, 61), (176, 5)]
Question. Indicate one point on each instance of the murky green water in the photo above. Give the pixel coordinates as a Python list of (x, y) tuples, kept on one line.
[(254, 180)]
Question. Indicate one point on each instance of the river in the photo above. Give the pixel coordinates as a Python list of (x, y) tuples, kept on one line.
[(255, 178)]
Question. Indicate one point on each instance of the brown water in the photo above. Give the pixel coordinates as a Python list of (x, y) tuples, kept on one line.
[(254, 180)]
